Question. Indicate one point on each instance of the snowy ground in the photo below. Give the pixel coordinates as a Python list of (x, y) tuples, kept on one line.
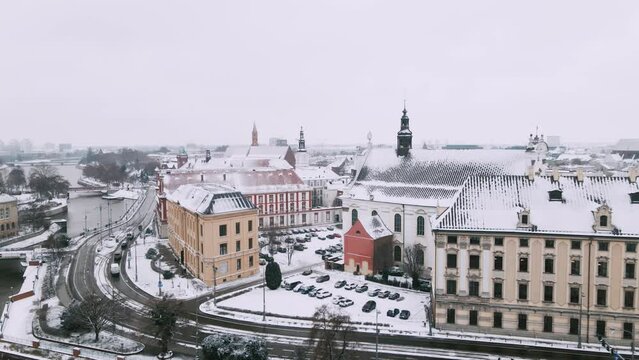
[(180, 287), (33, 240), (279, 302)]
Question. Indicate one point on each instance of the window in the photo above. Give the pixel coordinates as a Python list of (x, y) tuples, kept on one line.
[(222, 230), (303, 217), (474, 261), (548, 324), (354, 216), (575, 245), (601, 297), (628, 331), (523, 291), (601, 328), (474, 240), (420, 225), (250, 243), (451, 287), (261, 222), (281, 220), (499, 241), (602, 268), (398, 223), (472, 317), (603, 245), (237, 227), (603, 221), (523, 264), (524, 219), (201, 230), (397, 253), (292, 219), (575, 267), (270, 198), (250, 225), (450, 316), (238, 264), (574, 326), (497, 316), (523, 242), (630, 270), (555, 195), (237, 245), (629, 299), (522, 321), (451, 261), (419, 254), (281, 196), (549, 244), (548, 290), (499, 262), (282, 208), (498, 292), (374, 212), (631, 247), (223, 249), (250, 261), (473, 288), (452, 240), (549, 265), (574, 295)]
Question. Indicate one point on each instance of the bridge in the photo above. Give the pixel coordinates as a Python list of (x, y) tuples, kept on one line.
[(19, 254)]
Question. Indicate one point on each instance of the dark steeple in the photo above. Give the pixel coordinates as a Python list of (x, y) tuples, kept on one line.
[(404, 136), (301, 145)]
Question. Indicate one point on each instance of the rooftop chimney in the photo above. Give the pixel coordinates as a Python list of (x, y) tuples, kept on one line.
[(632, 174), (580, 175), (555, 175), (530, 173)]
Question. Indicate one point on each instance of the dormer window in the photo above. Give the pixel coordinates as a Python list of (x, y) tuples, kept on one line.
[(524, 219), (603, 221), (603, 218), (634, 197), (555, 195)]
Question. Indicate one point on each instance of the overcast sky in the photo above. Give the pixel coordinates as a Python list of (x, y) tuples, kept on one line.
[(160, 72)]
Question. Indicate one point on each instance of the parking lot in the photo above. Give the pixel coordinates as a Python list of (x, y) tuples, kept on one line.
[(279, 301)]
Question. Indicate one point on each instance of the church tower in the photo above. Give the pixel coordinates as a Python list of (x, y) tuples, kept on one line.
[(404, 136), (254, 142), (301, 156), (301, 144)]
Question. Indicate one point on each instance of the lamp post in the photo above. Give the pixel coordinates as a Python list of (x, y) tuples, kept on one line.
[(376, 335), (135, 249), (214, 285), (264, 296)]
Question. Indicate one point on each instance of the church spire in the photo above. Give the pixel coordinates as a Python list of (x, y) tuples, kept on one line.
[(254, 141), (404, 135), (301, 145)]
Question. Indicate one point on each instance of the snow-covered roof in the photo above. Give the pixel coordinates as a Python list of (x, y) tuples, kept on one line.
[(429, 177), (261, 151), (375, 227), (627, 145), (209, 199), (5, 198), (494, 202), (200, 163), (316, 173), (244, 180)]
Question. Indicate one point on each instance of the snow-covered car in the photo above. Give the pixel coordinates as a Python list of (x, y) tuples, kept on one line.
[(298, 287), (395, 271), (374, 292), (340, 283), (323, 294), (314, 292), (401, 298), (323, 278), (361, 288), (350, 286), (384, 294), (345, 303), (330, 228), (307, 272), (115, 269), (404, 315), (393, 296), (322, 237), (337, 299)]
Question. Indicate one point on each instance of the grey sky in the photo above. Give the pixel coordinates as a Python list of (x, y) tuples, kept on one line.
[(153, 72)]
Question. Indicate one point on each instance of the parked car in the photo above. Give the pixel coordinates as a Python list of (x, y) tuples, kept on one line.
[(323, 278), (330, 236), (369, 306), (401, 298), (361, 288), (298, 287), (350, 286), (314, 234), (374, 292), (337, 299), (392, 312), (384, 294), (345, 303), (322, 237), (320, 251), (262, 262), (292, 285), (281, 249), (323, 294), (393, 296), (306, 289), (314, 292), (289, 240), (337, 235), (425, 285), (395, 271), (405, 314), (340, 284), (298, 247), (330, 228), (307, 272)]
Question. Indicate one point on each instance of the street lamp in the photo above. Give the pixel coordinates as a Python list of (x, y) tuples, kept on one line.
[(214, 285), (376, 335), (264, 296), (632, 340)]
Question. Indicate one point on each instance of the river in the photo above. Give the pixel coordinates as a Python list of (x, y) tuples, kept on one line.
[(10, 279)]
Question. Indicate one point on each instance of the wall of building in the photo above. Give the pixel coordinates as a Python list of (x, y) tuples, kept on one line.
[(9, 226)]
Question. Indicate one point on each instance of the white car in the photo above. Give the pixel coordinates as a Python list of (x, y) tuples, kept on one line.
[(115, 269), (337, 299), (350, 286), (323, 294), (345, 303)]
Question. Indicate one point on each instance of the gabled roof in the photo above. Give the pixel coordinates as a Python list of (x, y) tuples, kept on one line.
[(209, 199), (493, 203), (5, 198), (374, 227)]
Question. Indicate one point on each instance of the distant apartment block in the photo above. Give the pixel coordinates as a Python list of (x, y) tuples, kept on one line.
[(8, 216)]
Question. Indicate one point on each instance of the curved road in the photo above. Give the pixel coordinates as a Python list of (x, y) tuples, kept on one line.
[(82, 282)]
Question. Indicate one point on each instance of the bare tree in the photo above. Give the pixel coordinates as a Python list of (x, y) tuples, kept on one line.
[(331, 334), (414, 262), (97, 312), (165, 313)]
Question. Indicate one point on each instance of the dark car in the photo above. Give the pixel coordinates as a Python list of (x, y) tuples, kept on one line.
[(281, 249), (405, 314), (337, 235), (392, 312), (306, 289), (323, 278), (124, 245), (393, 296), (320, 251), (289, 240), (298, 247), (369, 306), (307, 272), (340, 283), (330, 236)]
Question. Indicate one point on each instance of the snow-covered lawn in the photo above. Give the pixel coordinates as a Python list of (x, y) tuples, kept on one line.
[(33, 240), (279, 301), (179, 286)]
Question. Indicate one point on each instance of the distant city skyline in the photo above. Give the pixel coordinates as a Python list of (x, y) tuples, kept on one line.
[(103, 73)]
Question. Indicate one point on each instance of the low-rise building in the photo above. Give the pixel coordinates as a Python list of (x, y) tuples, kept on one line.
[(540, 256), (367, 247), (8, 216), (212, 230)]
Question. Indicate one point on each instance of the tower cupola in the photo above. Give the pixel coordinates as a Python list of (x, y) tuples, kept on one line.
[(404, 136)]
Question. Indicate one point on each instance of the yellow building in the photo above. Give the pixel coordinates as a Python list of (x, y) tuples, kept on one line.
[(552, 257), (8, 216), (213, 232)]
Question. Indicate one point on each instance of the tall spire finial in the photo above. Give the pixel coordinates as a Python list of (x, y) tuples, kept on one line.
[(254, 141), (404, 106)]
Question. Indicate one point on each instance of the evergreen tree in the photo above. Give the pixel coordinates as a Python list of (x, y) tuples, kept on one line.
[(16, 179), (273, 275)]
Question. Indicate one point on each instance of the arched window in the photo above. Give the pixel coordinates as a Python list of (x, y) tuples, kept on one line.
[(398, 223), (397, 253), (420, 225), (374, 213), (603, 221), (354, 216), (420, 257)]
